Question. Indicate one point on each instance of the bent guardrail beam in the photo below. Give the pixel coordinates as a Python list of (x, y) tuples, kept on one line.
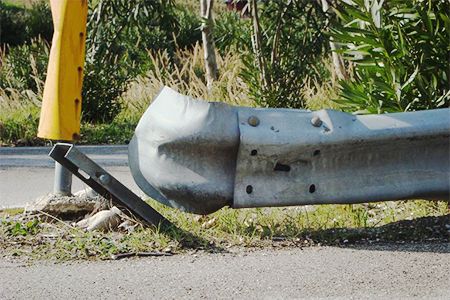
[(199, 156)]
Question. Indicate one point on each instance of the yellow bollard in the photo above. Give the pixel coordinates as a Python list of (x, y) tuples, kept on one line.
[(61, 104)]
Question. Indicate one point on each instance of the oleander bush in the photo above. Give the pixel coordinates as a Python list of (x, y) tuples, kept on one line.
[(400, 51)]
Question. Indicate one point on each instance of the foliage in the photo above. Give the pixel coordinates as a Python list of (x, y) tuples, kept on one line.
[(19, 126), (120, 34), (22, 229), (232, 33), (19, 25), (187, 30), (24, 66), (39, 21), (119, 31), (119, 131), (287, 50), (401, 54)]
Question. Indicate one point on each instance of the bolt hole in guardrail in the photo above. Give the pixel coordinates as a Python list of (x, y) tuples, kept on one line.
[(249, 189), (312, 188), (282, 167)]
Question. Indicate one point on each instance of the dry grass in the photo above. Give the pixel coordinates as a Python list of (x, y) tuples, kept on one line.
[(187, 77), (19, 109), (12, 99)]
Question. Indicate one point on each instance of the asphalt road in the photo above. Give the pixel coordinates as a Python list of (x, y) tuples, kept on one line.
[(420, 271), (27, 173)]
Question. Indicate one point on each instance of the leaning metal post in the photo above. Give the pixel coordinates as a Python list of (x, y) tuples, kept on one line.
[(75, 162)]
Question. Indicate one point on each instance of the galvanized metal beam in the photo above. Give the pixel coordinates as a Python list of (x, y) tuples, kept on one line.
[(199, 156), (298, 157), (105, 184)]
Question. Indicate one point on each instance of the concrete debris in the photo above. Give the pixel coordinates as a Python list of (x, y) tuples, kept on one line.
[(103, 220), (66, 206)]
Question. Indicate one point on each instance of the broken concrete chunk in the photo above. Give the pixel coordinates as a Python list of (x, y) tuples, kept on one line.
[(66, 206)]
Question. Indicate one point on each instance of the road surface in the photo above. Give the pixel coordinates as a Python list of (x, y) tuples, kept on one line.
[(316, 272), (26, 173)]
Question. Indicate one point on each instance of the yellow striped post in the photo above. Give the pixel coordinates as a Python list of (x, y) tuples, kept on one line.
[(61, 104)]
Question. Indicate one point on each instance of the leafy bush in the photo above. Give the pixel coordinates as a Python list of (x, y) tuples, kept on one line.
[(19, 126), (12, 25), (39, 21), (119, 34), (232, 33), (291, 47), (188, 29), (19, 25), (401, 54)]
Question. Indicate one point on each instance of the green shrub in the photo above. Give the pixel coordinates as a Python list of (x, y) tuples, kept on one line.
[(12, 24), (19, 25), (19, 126), (39, 21), (188, 29), (232, 33), (401, 55), (292, 45), (119, 34)]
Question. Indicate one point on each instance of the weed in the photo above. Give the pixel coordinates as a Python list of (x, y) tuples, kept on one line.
[(406, 221), (21, 229)]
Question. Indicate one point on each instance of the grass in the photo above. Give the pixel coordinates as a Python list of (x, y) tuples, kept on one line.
[(37, 237)]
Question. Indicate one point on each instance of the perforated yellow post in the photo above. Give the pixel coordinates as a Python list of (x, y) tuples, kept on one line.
[(61, 104)]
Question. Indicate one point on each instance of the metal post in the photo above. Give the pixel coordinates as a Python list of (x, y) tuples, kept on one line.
[(63, 181), (106, 185)]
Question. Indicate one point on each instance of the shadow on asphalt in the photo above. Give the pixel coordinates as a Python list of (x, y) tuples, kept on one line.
[(192, 241), (426, 234)]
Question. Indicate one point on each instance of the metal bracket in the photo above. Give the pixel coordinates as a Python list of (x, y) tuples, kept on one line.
[(105, 184)]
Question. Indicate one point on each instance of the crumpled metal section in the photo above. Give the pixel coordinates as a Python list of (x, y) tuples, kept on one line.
[(199, 156), (183, 152)]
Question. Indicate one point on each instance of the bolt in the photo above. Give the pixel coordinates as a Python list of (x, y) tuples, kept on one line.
[(253, 121), (316, 121), (104, 178), (76, 136)]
